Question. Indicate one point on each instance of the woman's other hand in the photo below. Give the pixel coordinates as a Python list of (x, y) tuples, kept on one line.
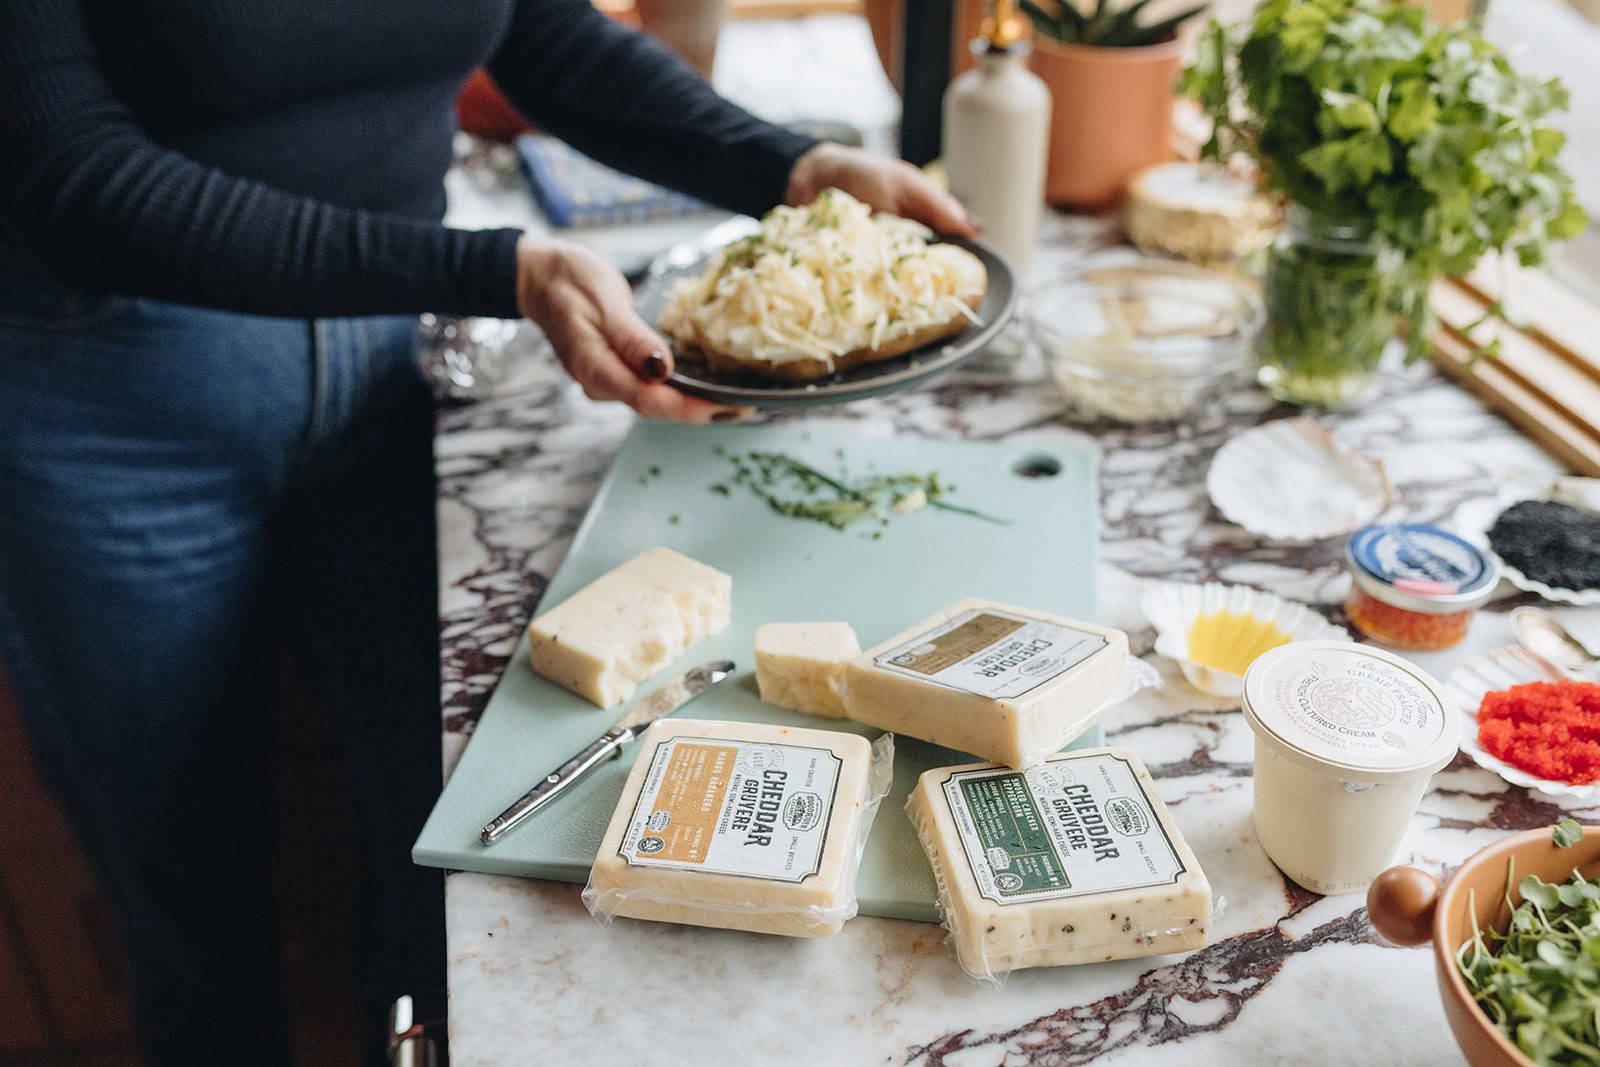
[(585, 308), (891, 185)]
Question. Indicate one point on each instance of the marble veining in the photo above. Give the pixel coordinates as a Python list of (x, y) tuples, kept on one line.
[(1289, 977)]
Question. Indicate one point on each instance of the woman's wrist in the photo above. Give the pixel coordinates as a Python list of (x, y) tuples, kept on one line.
[(814, 172), (533, 262)]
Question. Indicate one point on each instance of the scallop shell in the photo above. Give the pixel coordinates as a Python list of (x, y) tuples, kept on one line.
[(1497, 669), (1291, 481), (1172, 608), (1474, 517)]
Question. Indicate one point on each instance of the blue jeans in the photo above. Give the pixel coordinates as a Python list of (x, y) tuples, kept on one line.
[(180, 489)]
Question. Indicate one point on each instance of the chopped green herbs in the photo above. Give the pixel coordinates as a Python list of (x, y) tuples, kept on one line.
[(797, 490), (1542, 986)]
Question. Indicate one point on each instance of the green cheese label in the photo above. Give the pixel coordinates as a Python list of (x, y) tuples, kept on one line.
[(1007, 823), (1070, 827)]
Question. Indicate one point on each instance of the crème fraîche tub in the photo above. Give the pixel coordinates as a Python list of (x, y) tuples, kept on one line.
[(1347, 737)]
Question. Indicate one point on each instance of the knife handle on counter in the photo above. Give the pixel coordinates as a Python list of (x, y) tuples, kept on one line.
[(555, 783)]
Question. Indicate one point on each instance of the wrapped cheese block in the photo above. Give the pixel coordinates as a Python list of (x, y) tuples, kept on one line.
[(741, 825), (1008, 684), (629, 623), (1073, 861), (800, 665)]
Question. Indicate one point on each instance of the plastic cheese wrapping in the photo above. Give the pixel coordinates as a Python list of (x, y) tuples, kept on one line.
[(1073, 861), (743, 826), (1006, 683)]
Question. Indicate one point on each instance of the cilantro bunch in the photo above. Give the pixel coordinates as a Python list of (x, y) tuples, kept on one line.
[(1363, 112)]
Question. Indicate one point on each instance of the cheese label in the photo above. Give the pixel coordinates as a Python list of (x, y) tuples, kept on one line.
[(992, 653), (734, 807), (1063, 829)]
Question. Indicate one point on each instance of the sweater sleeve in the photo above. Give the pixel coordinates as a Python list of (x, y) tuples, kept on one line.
[(621, 98), (104, 207)]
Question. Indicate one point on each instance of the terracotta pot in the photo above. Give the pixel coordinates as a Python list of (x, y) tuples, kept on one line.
[(1407, 907), (483, 110), (688, 27), (1111, 116)]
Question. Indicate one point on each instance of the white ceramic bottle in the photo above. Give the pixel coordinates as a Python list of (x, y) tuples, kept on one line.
[(996, 137)]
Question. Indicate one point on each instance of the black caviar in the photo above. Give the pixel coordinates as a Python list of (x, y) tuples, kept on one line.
[(1550, 542)]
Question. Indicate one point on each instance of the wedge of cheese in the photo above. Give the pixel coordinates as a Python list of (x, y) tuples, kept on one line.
[(1008, 684), (800, 665), (629, 623), (740, 825), (1073, 861)]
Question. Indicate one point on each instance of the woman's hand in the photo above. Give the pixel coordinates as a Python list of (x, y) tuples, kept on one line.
[(585, 308), (891, 185)]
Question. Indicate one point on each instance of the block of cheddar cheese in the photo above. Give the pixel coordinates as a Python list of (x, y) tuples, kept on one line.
[(1008, 684), (800, 665), (743, 826), (629, 623), (1073, 861)]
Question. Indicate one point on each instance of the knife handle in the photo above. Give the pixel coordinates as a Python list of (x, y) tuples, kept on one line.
[(556, 782)]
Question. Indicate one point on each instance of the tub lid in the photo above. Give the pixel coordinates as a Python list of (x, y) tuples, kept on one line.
[(1421, 568), (1351, 710)]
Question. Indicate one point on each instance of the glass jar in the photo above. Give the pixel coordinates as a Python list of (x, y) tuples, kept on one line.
[(1415, 587), (1332, 295)]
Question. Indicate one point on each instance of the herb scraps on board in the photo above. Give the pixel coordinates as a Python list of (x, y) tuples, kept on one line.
[(1549, 729), (1550, 542), (798, 490), (1539, 980)]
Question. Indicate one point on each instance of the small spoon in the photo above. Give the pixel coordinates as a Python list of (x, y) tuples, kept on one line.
[(1542, 633)]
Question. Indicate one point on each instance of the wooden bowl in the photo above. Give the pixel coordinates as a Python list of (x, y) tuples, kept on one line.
[(1408, 907)]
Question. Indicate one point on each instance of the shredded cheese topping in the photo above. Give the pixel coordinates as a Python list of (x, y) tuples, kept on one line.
[(820, 281)]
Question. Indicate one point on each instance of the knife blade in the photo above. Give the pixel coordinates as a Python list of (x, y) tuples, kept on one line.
[(659, 703)]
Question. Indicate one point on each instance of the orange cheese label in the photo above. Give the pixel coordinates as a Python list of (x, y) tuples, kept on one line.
[(690, 799), (734, 807)]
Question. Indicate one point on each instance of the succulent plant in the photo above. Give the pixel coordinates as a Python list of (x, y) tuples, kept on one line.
[(1108, 24)]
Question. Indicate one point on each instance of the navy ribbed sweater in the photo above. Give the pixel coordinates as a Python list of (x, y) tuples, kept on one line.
[(286, 156)]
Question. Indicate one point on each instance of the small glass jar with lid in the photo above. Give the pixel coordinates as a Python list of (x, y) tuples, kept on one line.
[(1415, 587)]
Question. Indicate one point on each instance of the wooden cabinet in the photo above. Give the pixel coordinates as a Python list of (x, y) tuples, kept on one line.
[(61, 986)]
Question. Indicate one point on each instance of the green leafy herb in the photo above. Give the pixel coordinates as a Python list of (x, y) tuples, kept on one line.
[(798, 490), (1363, 112), (674, 518), (1542, 986)]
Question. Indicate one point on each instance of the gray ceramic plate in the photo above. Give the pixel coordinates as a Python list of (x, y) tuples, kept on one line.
[(875, 379)]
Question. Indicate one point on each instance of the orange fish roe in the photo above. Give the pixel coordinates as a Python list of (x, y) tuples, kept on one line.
[(1549, 729), (1409, 631)]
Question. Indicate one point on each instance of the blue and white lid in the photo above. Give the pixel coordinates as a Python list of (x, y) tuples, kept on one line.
[(1421, 568)]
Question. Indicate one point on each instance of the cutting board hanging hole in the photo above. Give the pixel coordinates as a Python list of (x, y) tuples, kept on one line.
[(1037, 465)]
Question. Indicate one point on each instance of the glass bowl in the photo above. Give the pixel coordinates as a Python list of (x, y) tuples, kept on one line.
[(1144, 339)]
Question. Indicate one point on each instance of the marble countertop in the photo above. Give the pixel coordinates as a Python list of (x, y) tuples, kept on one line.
[(533, 978)]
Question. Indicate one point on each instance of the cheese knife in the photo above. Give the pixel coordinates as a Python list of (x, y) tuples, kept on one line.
[(663, 701)]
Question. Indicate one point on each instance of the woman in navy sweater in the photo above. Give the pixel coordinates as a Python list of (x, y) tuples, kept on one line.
[(218, 221)]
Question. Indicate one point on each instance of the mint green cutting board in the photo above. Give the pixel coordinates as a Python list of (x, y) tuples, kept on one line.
[(784, 570)]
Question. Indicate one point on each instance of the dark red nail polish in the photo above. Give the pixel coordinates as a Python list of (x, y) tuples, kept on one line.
[(655, 367)]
